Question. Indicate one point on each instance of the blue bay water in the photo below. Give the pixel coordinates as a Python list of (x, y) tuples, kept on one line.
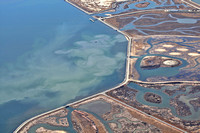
[(50, 55)]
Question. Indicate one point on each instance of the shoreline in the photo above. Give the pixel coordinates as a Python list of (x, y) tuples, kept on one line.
[(195, 2), (35, 117), (88, 97), (127, 73), (78, 7), (191, 3)]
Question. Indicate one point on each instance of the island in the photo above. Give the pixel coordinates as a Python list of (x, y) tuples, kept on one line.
[(153, 98)]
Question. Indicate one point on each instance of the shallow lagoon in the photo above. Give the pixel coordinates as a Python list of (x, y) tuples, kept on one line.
[(187, 21), (50, 57)]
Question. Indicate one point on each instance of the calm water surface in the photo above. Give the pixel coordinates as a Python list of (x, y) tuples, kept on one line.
[(50, 55)]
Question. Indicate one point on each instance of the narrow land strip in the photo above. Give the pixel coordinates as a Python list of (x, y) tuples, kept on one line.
[(191, 3)]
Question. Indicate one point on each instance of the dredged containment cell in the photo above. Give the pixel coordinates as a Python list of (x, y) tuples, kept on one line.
[(171, 62)]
